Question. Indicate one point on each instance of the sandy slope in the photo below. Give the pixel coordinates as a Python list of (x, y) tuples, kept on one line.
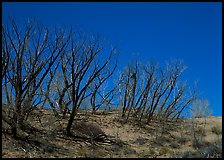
[(140, 141)]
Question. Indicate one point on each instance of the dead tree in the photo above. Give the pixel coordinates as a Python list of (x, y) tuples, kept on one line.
[(33, 52), (124, 83), (133, 85), (163, 90), (153, 93), (84, 69), (134, 94), (144, 96)]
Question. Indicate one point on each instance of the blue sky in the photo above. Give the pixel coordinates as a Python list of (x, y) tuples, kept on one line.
[(145, 31)]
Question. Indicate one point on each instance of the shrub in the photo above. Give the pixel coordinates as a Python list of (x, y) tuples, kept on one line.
[(115, 148), (198, 143), (182, 139), (217, 129), (174, 144), (140, 140), (200, 131), (162, 140), (88, 130)]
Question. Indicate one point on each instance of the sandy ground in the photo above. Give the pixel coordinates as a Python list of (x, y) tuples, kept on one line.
[(139, 141)]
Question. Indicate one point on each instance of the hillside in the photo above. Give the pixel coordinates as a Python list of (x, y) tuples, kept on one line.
[(177, 139)]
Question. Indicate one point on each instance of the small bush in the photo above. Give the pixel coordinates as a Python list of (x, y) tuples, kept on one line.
[(162, 140), (217, 129), (200, 131), (88, 130), (182, 139), (198, 143), (140, 140), (115, 148), (174, 144)]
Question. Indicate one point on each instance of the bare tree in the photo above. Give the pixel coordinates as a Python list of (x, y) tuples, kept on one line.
[(153, 91), (33, 53), (164, 88), (136, 82), (124, 83), (80, 67), (141, 103)]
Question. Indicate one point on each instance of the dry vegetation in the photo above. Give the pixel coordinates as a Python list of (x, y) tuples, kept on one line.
[(118, 139), (73, 74)]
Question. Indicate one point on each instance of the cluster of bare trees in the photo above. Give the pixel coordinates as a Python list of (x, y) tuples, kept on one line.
[(65, 69), (152, 91), (60, 68)]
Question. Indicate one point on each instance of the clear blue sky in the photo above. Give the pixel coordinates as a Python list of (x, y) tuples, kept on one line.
[(160, 31)]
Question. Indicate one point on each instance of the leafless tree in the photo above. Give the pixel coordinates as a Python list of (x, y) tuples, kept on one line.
[(135, 96), (31, 52), (124, 84), (83, 64), (157, 92), (85, 68), (141, 103), (164, 88)]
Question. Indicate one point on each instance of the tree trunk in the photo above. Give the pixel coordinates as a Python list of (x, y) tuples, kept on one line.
[(71, 119)]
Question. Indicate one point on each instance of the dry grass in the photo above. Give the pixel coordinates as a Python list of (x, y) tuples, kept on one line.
[(132, 139)]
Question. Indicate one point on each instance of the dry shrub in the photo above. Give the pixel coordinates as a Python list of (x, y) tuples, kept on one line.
[(182, 139), (174, 144), (162, 140), (88, 130), (198, 143), (140, 140), (217, 129), (200, 131)]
